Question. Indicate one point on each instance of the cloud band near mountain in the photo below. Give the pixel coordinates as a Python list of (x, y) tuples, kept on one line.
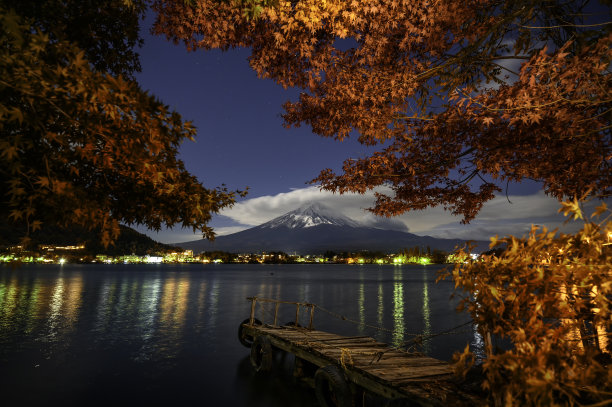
[(502, 216)]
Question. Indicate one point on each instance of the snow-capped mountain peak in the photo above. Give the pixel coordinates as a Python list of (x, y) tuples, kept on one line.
[(308, 216)]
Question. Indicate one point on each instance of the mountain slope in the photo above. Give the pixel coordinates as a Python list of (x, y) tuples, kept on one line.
[(309, 216), (129, 241), (314, 229)]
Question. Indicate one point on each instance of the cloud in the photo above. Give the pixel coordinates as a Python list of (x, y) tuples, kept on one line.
[(379, 222), (498, 216), (501, 216), (228, 230), (255, 211)]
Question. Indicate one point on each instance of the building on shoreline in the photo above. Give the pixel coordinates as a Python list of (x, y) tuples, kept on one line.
[(56, 254)]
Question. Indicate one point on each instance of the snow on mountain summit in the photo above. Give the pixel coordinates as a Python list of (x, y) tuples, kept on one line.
[(308, 216)]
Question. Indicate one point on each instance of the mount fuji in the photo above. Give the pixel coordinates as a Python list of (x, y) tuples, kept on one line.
[(313, 229), (310, 216)]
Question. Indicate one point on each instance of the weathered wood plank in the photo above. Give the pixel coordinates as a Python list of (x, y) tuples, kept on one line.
[(337, 342), (331, 342), (343, 338), (354, 352), (400, 372), (351, 345), (322, 336), (409, 361), (392, 374), (317, 334)]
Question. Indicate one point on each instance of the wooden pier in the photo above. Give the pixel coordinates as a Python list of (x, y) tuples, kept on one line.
[(343, 366)]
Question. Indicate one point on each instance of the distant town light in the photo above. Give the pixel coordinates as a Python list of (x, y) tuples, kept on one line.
[(424, 260), (154, 259)]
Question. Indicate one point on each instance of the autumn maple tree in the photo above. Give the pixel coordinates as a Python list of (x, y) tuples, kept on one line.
[(80, 142), (550, 294), (463, 97)]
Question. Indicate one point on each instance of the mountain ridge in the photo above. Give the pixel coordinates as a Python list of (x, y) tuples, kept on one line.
[(129, 240), (313, 229)]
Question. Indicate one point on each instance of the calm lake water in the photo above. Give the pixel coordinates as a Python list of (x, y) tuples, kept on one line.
[(142, 335)]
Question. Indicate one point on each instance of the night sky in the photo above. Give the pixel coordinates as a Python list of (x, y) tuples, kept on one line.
[(241, 143)]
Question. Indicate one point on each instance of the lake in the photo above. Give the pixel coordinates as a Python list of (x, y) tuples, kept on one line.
[(76, 335)]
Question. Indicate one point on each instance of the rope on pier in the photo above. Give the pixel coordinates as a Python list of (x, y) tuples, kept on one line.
[(420, 339), (417, 338), (344, 318), (346, 354), (346, 358)]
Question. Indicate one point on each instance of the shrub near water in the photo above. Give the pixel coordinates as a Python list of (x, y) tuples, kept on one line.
[(549, 294)]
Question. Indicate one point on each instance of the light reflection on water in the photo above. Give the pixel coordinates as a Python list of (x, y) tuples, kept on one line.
[(361, 303), (380, 309), (426, 314), (214, 304), (477, 344), (63, 312), (398, 308), (77, 328)]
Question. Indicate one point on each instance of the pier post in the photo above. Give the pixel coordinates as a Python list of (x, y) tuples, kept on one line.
[(252, 317), (311, 316), (276, 313)]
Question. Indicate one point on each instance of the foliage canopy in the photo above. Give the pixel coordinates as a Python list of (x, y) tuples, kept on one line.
[(462, 96), (81, 146), (551, 295), (107, 31)]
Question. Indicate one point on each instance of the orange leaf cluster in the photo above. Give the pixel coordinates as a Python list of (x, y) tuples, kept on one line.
[(86, 148), (551, 295), (435, 84)]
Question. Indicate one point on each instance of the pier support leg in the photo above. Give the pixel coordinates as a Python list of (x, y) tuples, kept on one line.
[(303, 371)]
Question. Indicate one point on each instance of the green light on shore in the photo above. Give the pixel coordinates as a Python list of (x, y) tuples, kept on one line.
[(411, 260), (424, 261)]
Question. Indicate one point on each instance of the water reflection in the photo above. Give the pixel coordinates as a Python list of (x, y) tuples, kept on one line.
[(104, 308), (149, 300), (201, 301), (32, 306), (55, 308), (64, 308), (477, 344), (19, 307), (304, 293), (174, 304), (361, 304), (426, 313), (8, 300), (170, 328), (380, 309), (398, 307), (269, 288), (214, 304)]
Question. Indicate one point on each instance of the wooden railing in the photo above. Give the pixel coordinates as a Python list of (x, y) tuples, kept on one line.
[(277, 304)]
